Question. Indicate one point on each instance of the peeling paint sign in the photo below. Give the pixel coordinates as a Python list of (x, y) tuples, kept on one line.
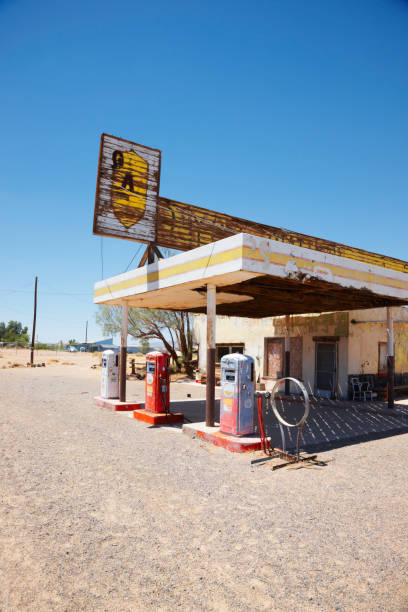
[(127, 190), (128, 205)]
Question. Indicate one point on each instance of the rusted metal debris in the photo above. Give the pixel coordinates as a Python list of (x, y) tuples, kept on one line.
[(291, 459)]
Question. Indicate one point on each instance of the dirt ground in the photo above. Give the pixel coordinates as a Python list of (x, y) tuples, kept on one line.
[(86, 366), (85, 362), (101, 512)]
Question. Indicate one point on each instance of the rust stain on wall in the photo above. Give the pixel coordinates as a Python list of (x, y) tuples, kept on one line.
[(329, 324)]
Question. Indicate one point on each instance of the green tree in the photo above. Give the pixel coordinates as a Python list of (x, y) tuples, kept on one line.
[(14, 332), (173, 328), (72, 342)]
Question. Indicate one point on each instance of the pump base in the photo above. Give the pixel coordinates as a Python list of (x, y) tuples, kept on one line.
[(235, 444), (158, 418), (115, 404)]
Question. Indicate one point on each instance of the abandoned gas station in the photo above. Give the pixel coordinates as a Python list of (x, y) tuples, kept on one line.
[(255, 272), (332, 353)]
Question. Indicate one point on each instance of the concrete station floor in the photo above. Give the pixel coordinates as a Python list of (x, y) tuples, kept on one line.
[(330, 423)]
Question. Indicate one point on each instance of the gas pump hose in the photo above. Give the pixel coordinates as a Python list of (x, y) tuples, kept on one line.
[(165, 406), (265, 443)]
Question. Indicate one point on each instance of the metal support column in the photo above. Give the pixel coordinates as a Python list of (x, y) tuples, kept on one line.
[(210, 387), (287, 353), (390, 358), (123, 353)]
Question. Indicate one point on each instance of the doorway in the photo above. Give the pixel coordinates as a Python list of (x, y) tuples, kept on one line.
[(326, 369)]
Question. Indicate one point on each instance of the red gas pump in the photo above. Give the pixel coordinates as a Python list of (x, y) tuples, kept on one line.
[(157, 382), (157, 397)]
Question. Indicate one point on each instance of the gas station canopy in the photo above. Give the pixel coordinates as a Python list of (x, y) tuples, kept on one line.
[(257, 277)]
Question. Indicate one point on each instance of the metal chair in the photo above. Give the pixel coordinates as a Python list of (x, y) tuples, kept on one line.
[(356, 388), (367, 391)]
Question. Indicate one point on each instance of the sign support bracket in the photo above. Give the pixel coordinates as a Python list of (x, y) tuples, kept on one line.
[(149, 254)]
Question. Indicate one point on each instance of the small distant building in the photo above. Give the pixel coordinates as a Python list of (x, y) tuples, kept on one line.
[(104, 345), (98, 345)]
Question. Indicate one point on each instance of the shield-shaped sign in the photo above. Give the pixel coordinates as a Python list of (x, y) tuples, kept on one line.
[(129, 186), (127, 190)]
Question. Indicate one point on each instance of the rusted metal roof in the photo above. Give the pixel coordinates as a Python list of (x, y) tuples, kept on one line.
[(269, 296), (186, 226)]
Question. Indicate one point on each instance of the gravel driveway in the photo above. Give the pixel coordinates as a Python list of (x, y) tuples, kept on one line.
[(101, 512)]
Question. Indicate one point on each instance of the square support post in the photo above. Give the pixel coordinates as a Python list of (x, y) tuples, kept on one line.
[(287, 353), (390, 358), (210, 387), (123, 352)]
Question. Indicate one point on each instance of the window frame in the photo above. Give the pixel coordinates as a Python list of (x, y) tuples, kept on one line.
[(230, 346)]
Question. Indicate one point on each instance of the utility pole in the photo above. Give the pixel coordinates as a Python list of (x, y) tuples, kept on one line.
[(34, 322), (86, 336)]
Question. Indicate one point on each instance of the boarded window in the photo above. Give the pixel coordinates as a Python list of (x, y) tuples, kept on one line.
[(274, 357)]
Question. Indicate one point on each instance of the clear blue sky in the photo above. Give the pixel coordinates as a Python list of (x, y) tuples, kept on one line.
[(287, 112)]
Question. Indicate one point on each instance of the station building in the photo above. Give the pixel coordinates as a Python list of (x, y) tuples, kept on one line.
[(326, 350)]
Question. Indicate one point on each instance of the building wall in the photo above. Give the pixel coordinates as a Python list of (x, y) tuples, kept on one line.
[(366, 329), (252, 332)]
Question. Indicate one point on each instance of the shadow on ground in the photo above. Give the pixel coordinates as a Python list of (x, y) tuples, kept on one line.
[(331, 424)]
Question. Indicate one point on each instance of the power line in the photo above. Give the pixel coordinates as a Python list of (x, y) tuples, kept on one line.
[(134, 256), (47, 292), (102, 256)]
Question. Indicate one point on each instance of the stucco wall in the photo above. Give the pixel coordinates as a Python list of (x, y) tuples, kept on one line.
[(367, 329), (252, 332), (360, 331)]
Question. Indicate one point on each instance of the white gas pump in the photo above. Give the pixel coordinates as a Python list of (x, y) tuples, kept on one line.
[(237, 394), (110, 375)]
